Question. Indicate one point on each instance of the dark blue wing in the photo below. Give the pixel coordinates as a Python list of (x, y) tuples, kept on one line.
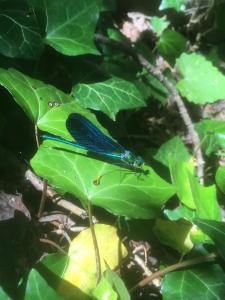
[(89, 136)]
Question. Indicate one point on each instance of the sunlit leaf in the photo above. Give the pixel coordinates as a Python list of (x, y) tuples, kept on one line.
[(205, 282), (159, 25), (104, 290), (175, 234), (181, 212), (81, 267), (202, 82), (38, 288), (179, 172), (109, 96), (212, 134), (174, 148), (216, 231), (117, 283), (32, 95), (105, 182), (220, 178), (178, 5)]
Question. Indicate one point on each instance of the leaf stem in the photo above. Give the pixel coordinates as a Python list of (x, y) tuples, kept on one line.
[(95, 244), (177, 266)]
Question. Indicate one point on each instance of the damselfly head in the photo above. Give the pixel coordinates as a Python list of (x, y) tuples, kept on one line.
[(138, 162), (129, 158)]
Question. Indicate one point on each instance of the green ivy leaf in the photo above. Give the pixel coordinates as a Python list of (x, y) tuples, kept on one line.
[(191, 193), (216, 231), (178, 5), (175, 234), (35, 97), (220, 178), (70, 27), (205, 282), (179, 172), (118, 190), (119, 286), (109, 96), (172, 149), (205, 199), (39, 289), (20, 37), (104, 290), (105, 184), (181, 212), (171, 45), (202, 82), (57, 264), (212, 133), (158, 25)]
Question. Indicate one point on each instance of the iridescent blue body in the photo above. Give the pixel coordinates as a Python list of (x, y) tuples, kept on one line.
[(90, 138)]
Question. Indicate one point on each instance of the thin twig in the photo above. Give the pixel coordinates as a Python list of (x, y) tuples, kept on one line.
[(180, 265), (47, 241), (183, 113), (171, 88), (38, 184), (43, 199), (95, 244)]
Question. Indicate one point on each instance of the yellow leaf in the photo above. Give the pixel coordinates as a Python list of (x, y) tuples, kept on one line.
[(81, 268)]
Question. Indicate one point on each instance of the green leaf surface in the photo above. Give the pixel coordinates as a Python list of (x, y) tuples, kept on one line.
[(20, 37), (179, 172), (205, 282), (57, 264), (117, 284), (81, 268), (181, 212), (39, 289), (158, 25), (118, 190), (178, 5), (109, 96), (4, 295), (191, 193), (205, 199), (212, 134), (70, 26), (172, 149), (216, 231), (207, 85), (220, 178), (171, 45), (104, 291), (32, 95), (104, 183), (198, 238), (175, 234)]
